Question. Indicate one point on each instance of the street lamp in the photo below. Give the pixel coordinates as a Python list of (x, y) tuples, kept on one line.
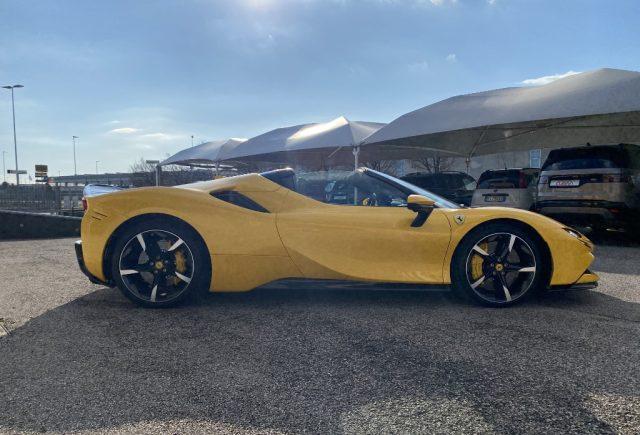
[(75, 168), (15, 142)]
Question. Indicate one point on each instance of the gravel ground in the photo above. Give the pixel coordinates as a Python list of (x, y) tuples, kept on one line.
[(313, 357)]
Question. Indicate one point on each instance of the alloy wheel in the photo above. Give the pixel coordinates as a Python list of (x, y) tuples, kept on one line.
[(501, 268), (156, 266)]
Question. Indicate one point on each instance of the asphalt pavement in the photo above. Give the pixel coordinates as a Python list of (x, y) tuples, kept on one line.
[(314, 357)]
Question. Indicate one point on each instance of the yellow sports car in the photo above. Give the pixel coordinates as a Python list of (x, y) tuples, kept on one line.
[(161, 244)]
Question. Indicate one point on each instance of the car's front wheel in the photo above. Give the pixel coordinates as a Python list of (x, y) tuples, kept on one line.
[(159, 262), (499, 265)]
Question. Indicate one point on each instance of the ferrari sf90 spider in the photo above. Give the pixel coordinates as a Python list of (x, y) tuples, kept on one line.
[(159, 245)]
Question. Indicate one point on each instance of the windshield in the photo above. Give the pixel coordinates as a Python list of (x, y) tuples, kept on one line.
[(440, 201), (506, 179), (363, 187), (441, 181), (586, 158)]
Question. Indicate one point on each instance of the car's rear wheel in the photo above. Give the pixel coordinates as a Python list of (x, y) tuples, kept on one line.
[(499, 265), (160, 262)]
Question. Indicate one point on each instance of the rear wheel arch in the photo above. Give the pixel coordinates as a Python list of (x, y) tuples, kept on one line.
[(531, 231), (108, 251)]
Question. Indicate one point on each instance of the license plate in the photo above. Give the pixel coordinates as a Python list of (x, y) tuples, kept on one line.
[(494, 198), (564, 183)]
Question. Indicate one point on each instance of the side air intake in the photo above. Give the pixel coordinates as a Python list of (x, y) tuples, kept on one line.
[(240, 200)]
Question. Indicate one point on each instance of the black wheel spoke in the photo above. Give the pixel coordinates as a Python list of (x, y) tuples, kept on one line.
[(153, 250), (503, 287), (502, 248)]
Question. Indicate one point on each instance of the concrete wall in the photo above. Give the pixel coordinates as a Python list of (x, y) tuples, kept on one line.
[(23, 225)]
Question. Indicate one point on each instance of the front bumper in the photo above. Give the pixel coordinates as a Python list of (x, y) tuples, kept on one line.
[(587, 281), (587, 212), (83, 268)]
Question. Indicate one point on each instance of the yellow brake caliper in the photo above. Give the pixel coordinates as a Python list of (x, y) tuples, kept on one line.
[(181, 265), (477, 262)]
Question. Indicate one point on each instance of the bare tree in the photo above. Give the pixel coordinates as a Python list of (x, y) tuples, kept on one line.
[(386, 166), (435, 163), (145, 173)]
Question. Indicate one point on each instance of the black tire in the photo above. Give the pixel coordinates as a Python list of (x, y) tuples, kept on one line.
[(519, 262), (177, 273)]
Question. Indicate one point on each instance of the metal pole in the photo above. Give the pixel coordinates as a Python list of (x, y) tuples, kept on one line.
[(15, 141), (157, 175), (75, 168), (4, 167), (97, 161)]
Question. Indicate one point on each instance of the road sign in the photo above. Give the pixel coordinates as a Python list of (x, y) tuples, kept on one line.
[(20, 172), (152, 162), (41, 173)]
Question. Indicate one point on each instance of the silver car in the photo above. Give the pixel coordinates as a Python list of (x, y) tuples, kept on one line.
[(593, 186)]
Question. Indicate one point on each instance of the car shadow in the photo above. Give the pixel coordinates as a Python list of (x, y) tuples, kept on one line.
[(320, 359)]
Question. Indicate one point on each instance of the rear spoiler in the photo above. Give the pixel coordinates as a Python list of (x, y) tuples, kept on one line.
[(96, 190)]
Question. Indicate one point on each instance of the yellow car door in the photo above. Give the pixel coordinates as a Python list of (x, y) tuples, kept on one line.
[(363, 243)]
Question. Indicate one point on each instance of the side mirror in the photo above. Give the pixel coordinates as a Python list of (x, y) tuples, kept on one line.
[(421, 205)]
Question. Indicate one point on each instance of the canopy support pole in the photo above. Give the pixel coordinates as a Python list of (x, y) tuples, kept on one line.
[(356, 154), (217, 167), (475, 146)]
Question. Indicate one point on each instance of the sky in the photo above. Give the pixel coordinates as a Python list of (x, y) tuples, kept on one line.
[(137, 78)]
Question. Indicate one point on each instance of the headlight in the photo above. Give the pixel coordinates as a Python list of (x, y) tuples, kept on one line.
[(578, 235), (572, 232)]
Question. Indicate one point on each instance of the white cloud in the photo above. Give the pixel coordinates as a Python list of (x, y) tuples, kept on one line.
[(440, 2), (491, 2), (418, 66), (452, 57), (548, 79), (123, 130)]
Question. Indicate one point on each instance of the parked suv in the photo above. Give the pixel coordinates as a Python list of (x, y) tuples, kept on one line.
[(455, 186), (506, 188), (594, 186)]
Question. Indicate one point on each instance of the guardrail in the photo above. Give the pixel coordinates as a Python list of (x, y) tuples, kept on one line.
[(30, 197)]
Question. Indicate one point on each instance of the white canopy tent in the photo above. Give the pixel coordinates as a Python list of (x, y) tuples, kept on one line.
[(204, 155), (600, 107), (318, 143)]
